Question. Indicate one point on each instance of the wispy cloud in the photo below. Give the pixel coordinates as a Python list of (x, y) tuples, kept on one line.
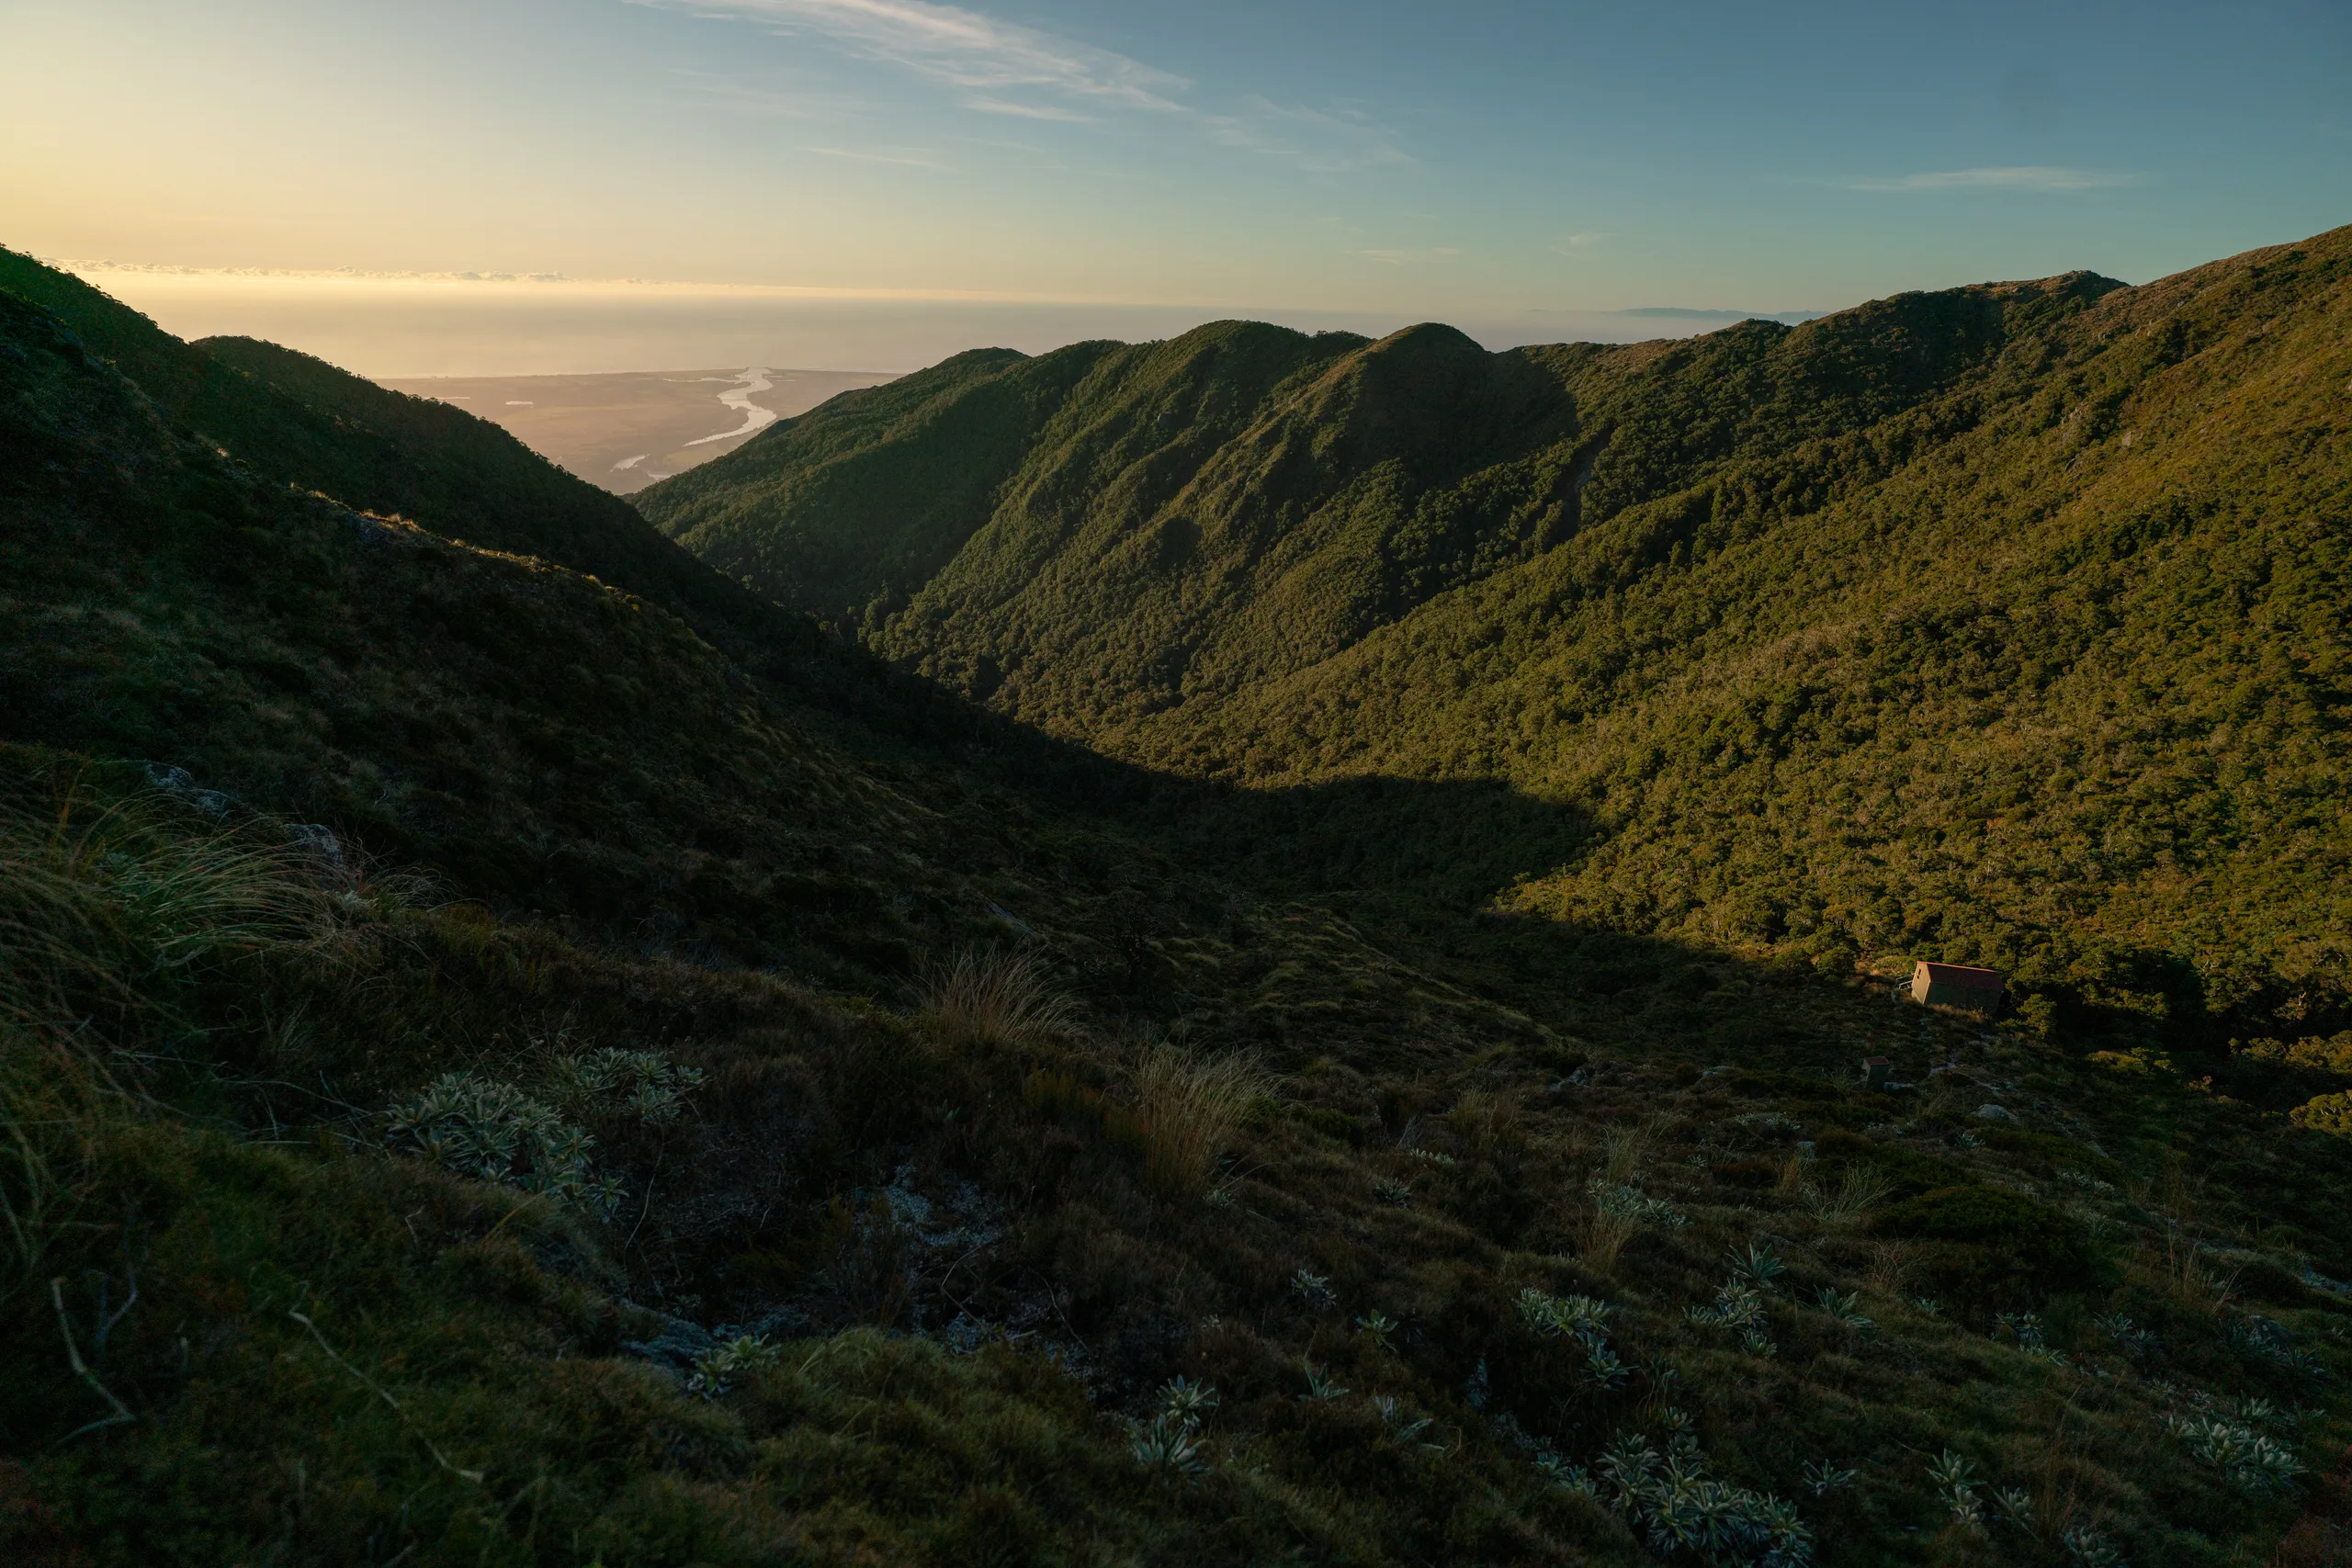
[(1578, 244), (1027, 111), (1323, 142), (910, 157), (1002, 68), (1422, 257), (2043, 178), (960, 47)]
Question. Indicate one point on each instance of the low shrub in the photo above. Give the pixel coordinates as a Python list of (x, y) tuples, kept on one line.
[(1905, 1172), (1332, 1124), (2327, 1113), (1986, 1244)]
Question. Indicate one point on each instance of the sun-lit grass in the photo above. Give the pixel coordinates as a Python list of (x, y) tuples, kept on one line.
[(989, 997), (1188, 1108)]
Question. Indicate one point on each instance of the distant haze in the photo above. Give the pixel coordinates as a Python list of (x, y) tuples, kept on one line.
[(904, 178), (392, 328)]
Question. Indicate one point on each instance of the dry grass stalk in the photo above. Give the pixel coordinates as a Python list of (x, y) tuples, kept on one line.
[(1603, 1236), (2183, 1268), (1623, 1154), (1885, 1276), (2188, 1277), (103, 912), (1487, 1121), (92, 907), (1857, 1190), (1187, 1110), (993, 997)]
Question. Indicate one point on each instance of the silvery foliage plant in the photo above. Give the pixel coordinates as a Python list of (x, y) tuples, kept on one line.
[(1171, 1441), (1682, 1509), (1584, 1320), (2254, 1461), (490, 1131)]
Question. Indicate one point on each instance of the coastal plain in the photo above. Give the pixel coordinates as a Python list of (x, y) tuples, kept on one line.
[(624, 431)]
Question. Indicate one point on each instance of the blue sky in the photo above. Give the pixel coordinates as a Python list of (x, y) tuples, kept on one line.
[(1486, 161)]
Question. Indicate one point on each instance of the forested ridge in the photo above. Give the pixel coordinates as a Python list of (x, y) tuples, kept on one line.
[(2004, 625)]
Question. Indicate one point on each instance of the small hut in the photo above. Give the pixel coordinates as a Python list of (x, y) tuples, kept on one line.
[(1957, 986)]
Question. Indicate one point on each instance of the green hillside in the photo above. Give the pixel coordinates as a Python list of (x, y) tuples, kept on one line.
[(2004, 625), (489, 1073), (846, 510)]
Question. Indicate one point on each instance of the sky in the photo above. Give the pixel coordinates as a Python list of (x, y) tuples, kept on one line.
[(870, 184)]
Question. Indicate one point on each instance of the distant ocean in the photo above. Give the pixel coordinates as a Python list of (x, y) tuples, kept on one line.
[(442, 326)]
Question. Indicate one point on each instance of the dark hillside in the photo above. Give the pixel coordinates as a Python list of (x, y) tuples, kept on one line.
[(303, 422)]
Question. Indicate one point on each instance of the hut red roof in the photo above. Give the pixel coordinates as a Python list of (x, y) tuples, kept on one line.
[(1961, 976)]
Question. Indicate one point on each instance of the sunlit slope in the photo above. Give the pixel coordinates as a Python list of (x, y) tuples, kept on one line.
[(1360, 490), (2051, 672), (2006, 620), (851, 508), (1240, 503)]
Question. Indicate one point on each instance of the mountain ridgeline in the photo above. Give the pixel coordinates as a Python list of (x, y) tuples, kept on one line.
[(2004, 623)]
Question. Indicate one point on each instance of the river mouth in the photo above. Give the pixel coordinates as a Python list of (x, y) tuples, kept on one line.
[(748, 384), (623, 430)]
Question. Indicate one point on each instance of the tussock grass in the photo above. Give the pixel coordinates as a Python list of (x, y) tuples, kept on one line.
[(1856, 1192), (1621, 1153), (984, 997), (1605, 1230), (1486, 1123), (2184, 1271), (1187, 1109), (106, 910), (1885, 1273), (1602, 1236), (98, 904)]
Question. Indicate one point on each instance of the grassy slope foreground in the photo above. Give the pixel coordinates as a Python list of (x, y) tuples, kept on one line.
[(2001, 624), (487, 1078)]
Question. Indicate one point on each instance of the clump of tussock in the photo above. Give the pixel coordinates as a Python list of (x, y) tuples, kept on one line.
[(1187, 1107), (1617, 1210), (1856, 1192), (105, 912), (102, 907), (986, 997), (57, 1104)]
